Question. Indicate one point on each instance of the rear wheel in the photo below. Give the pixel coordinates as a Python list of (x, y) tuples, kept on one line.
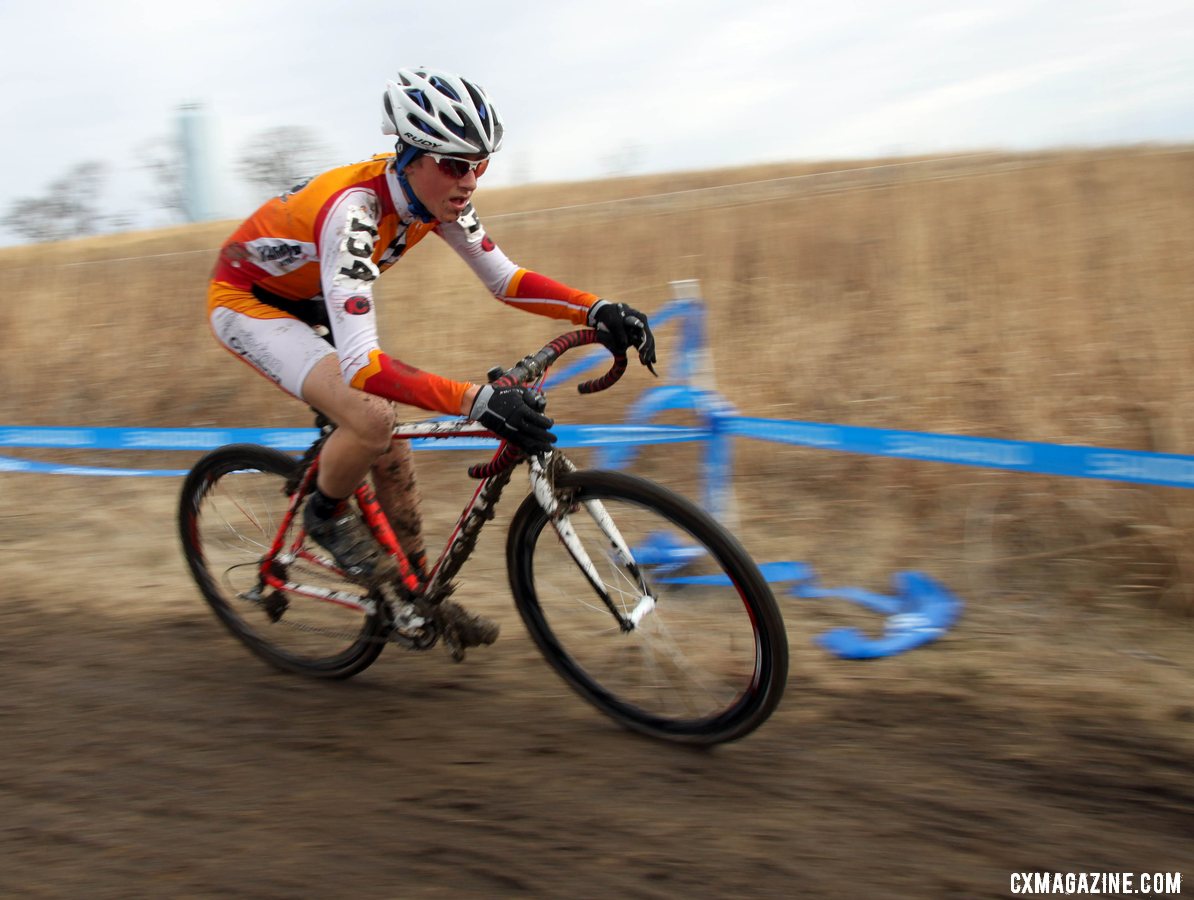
[(232, 506), (695, 650)]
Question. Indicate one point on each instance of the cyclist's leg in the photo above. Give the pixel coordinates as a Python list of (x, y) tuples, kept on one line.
[(274, 343), (362, 440), (292, 355), (364, 424), (398, 492)]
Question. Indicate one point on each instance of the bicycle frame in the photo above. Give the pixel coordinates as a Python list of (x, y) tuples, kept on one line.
[(459, 545), (460, 542), (493, 478)]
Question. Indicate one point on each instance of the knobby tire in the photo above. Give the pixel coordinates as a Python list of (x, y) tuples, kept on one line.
[(230, 507), (708, 665)]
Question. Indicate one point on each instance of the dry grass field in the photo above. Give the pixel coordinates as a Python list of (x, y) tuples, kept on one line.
[(1036, 297), (1040, 297)]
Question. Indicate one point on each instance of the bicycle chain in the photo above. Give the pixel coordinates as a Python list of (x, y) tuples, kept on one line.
[(394, 637)]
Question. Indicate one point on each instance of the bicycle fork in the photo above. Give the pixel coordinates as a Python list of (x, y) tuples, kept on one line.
[(543, 487)]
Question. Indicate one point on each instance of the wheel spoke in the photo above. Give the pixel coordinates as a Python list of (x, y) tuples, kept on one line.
[(232, 505), (706, 656)]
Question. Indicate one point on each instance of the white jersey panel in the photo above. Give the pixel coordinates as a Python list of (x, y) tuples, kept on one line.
[(468, 238), (347, 272)]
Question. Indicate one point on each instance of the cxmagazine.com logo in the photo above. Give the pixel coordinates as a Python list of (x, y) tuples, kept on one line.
[(1034, 884)]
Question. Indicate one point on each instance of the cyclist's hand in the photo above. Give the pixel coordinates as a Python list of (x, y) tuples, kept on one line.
[(627, 326), (515, 414)]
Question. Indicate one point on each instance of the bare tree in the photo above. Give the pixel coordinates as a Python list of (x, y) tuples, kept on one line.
[(278, 159), (69, 207)]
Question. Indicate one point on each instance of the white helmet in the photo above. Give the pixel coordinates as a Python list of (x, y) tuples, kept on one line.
[(433, 110)]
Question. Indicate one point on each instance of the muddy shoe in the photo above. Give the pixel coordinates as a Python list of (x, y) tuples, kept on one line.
[(463, 629), (351, 544)]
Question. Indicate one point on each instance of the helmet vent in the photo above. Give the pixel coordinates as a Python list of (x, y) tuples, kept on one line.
[(454, 112)]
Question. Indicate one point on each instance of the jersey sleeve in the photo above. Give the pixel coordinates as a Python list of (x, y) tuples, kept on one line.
[(347, 237), (510, 283)]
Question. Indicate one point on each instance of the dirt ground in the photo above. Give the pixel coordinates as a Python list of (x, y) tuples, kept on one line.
[(145, 753)]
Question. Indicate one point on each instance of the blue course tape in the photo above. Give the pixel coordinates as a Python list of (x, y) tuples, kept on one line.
[(922, 610), (773, 572), (8, 464), (155, 438), (1135, 466), (292, 439), (718, 462), (1170, 470)]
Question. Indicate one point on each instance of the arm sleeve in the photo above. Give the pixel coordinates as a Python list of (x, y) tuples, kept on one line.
[(510, 283), (347, 238)]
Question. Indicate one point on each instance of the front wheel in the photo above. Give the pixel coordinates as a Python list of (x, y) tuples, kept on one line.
[(648, 608), (231, 511)]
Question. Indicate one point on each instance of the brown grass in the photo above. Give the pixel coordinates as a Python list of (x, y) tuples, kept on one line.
[(1041, 297)]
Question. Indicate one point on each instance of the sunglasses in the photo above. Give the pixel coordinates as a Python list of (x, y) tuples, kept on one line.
[(456, 167)]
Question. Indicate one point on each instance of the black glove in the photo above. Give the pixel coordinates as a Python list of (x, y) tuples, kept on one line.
[(515, 414), (627, 326)]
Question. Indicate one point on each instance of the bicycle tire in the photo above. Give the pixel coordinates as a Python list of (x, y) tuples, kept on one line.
[(230, 510), (710, 603)]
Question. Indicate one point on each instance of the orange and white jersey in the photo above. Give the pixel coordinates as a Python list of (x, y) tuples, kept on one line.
[(327, 240)]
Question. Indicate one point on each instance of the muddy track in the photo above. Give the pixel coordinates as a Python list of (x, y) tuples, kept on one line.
[(146, 753)]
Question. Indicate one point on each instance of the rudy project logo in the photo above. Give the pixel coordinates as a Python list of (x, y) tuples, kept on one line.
[(357, 306), (419, 140)]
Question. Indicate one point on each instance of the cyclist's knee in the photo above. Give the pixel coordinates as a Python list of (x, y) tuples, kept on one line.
[(371, 424), (364, 420)]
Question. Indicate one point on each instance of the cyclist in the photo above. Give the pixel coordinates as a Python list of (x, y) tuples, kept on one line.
[(292, 295)]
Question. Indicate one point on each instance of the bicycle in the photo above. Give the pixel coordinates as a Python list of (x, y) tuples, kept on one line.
[(662, 620)]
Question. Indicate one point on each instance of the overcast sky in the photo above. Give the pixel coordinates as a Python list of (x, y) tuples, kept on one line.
[(591, 88)]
